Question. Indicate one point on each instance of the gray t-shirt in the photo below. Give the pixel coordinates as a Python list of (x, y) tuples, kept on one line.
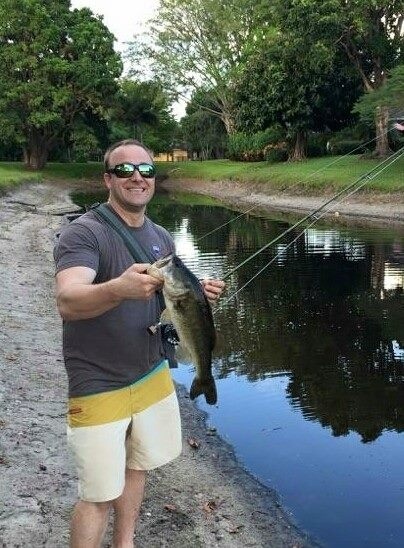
[(114, 349)]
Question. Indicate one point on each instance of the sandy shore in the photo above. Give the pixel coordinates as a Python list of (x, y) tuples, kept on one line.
[(203, 499), (361, 208)]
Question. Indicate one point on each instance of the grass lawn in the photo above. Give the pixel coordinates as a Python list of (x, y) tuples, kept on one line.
[(14, 173), (330, 172)]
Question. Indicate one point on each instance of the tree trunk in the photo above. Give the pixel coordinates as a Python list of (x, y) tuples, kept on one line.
[(299, 149), (382, 125), (229, 123), (36, 151), (35, 159)]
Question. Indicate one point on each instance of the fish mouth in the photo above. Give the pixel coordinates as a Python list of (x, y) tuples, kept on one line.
[(161, 263)]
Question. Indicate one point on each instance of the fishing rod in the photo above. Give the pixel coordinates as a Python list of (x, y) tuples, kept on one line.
[(372, 175), (365, 177), (294, 185)]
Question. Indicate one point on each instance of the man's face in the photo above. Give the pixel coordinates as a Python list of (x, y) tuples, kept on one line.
[(135, 192)]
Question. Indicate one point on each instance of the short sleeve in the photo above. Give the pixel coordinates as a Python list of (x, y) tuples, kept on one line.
[(167, 238), (76, 246)]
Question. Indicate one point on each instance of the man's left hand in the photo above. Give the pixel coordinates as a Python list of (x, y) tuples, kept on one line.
[(213, 289)]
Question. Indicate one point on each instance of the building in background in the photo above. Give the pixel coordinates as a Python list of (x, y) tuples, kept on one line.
[(174, 155)]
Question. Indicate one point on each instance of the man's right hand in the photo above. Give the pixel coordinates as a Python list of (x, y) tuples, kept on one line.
[(135, 283)]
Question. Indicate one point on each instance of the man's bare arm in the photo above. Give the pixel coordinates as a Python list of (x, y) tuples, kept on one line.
[(78, 298)]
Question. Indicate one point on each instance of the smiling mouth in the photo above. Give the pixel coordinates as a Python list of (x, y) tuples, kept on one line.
[(136, 190)]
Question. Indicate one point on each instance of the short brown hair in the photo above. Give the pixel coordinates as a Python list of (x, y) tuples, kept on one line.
[(124, 143)]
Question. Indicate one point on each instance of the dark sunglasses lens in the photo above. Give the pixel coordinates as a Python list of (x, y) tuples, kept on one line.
[(147, 170), (123, 171)]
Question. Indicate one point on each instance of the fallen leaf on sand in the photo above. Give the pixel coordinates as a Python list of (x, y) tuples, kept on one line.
[(193, 443), (235, 529), (210, 506)]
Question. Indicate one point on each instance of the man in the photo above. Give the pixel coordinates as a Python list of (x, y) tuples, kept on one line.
[(123, 414)]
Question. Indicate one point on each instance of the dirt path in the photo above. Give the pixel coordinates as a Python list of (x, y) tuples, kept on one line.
[(203, 499)]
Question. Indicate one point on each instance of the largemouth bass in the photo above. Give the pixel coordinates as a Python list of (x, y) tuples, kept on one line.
[(189, 310)]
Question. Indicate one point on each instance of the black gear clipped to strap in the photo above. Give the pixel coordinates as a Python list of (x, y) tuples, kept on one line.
[(169, 333)]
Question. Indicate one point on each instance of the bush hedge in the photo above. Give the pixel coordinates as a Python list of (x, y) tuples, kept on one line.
[(255, 147), (342, 147)]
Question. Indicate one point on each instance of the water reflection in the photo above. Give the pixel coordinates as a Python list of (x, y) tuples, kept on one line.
[(309, 365), (328, 313)]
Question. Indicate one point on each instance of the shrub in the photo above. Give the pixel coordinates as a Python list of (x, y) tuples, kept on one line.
[(253, 147), (317, 144), (342, 147), (276, 154), (238, 144)]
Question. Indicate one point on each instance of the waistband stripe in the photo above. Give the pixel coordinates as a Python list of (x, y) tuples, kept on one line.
[(123, 403)]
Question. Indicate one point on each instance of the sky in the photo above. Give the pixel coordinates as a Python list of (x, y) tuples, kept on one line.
[(125, 18)]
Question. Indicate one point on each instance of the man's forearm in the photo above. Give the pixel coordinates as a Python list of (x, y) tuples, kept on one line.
[(82, 301)]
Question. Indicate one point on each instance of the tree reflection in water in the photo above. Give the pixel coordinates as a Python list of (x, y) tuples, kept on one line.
[(322, 313)]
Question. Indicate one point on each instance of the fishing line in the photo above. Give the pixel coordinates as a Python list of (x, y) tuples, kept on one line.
[(288, 188), (354, 187), (392, 160), (227, 223), (367, 175)]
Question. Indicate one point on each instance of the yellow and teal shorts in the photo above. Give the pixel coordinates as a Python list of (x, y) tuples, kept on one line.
[(136, 427)]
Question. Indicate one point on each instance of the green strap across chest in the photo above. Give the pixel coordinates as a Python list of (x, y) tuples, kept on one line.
[(134, 247)]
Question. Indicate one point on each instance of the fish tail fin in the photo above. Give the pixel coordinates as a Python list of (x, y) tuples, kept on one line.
[(204, 386)]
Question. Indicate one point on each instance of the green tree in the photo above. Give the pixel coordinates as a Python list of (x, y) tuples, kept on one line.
[(390, 95), (368, 32), (201, 131), (194, 43), (138, 103), (371, 34), (54, 64), (142, 111), (297, 83)]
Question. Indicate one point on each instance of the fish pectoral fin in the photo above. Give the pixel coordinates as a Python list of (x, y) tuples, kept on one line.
[(205, 386), (165, 316)]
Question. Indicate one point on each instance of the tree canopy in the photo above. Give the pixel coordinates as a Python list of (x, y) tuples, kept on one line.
[(246, 64), (298, 84), (368, 32), (201, 43), (54, 64), (297, 62), (390, 95), (201, 132), (142, 111)]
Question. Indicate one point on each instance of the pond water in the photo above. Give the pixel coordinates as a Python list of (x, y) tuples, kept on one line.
[(309, 366)]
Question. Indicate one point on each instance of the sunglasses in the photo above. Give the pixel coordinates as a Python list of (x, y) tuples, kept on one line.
[(126, 170)]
